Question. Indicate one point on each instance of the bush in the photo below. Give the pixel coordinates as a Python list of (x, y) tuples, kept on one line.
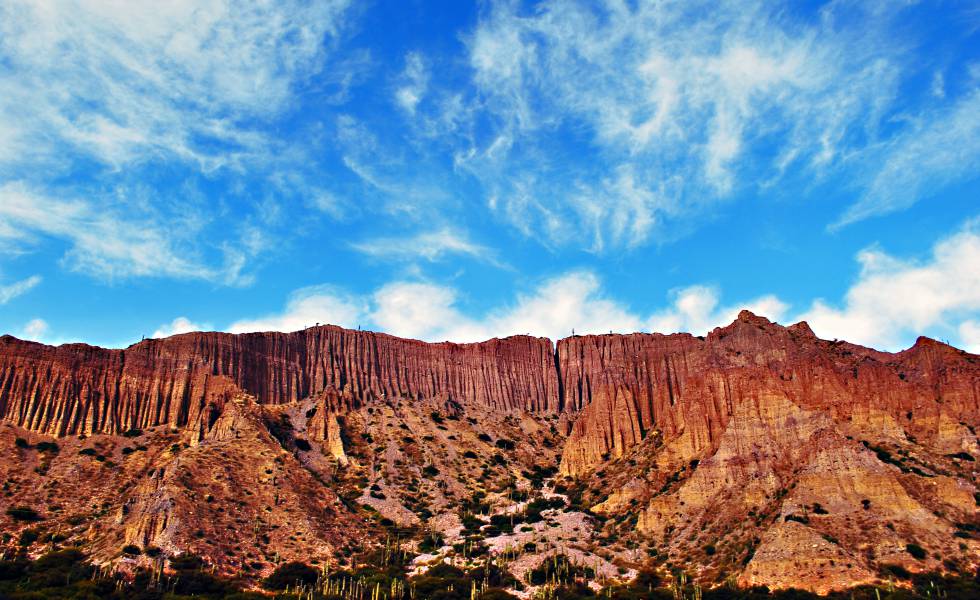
[(302, 444), (291, 574), (131, 433), (22, 513), (131, 550), (917, 551), (22, 443), (709, 549), (430, 470), (47, 447), (505, 444), (28, 537)]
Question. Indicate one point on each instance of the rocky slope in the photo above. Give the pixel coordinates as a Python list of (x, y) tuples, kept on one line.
[(758, 454)]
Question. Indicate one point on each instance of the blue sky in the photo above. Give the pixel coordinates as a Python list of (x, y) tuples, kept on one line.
[(462, 171)]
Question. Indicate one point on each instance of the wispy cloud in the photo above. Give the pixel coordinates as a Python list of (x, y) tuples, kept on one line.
[(941, 147), (107, 243), (128, 105), (672, 106), (413, 82), (125, 82), (429, 245), (18, 288)]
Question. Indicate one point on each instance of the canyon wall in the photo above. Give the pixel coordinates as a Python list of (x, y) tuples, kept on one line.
[(183, 379), (616, 389)]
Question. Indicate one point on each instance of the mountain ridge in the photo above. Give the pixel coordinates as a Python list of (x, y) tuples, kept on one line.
[(758, 440)]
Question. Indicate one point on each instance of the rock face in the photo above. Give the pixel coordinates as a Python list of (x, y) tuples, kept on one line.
[(75, 388), (797, 461), (687, 388)]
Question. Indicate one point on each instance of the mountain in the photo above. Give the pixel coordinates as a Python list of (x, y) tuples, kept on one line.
[(756, 455)]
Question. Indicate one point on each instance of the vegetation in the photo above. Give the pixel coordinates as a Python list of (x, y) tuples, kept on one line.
[(381, 575), (917, 551), (22, 513)]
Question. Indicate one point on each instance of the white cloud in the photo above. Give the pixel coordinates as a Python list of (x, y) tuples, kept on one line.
[(35, 330), (667, 102), (431, 246), (571, 301), (557, 306), (893, 299), (18, 288), (414, 81), (554, 309), (177, 326), (127, 81), (105, 242), (418, 310), (695, 310), (970, 336), (307, 307)]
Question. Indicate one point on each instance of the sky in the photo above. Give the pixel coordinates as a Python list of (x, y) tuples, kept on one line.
[(461, 171)]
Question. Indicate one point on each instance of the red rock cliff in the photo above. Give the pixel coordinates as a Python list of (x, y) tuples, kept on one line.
[(77, 388), (687, 388)]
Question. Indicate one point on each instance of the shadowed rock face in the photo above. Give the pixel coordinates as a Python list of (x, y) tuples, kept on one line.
[(800, 461)]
